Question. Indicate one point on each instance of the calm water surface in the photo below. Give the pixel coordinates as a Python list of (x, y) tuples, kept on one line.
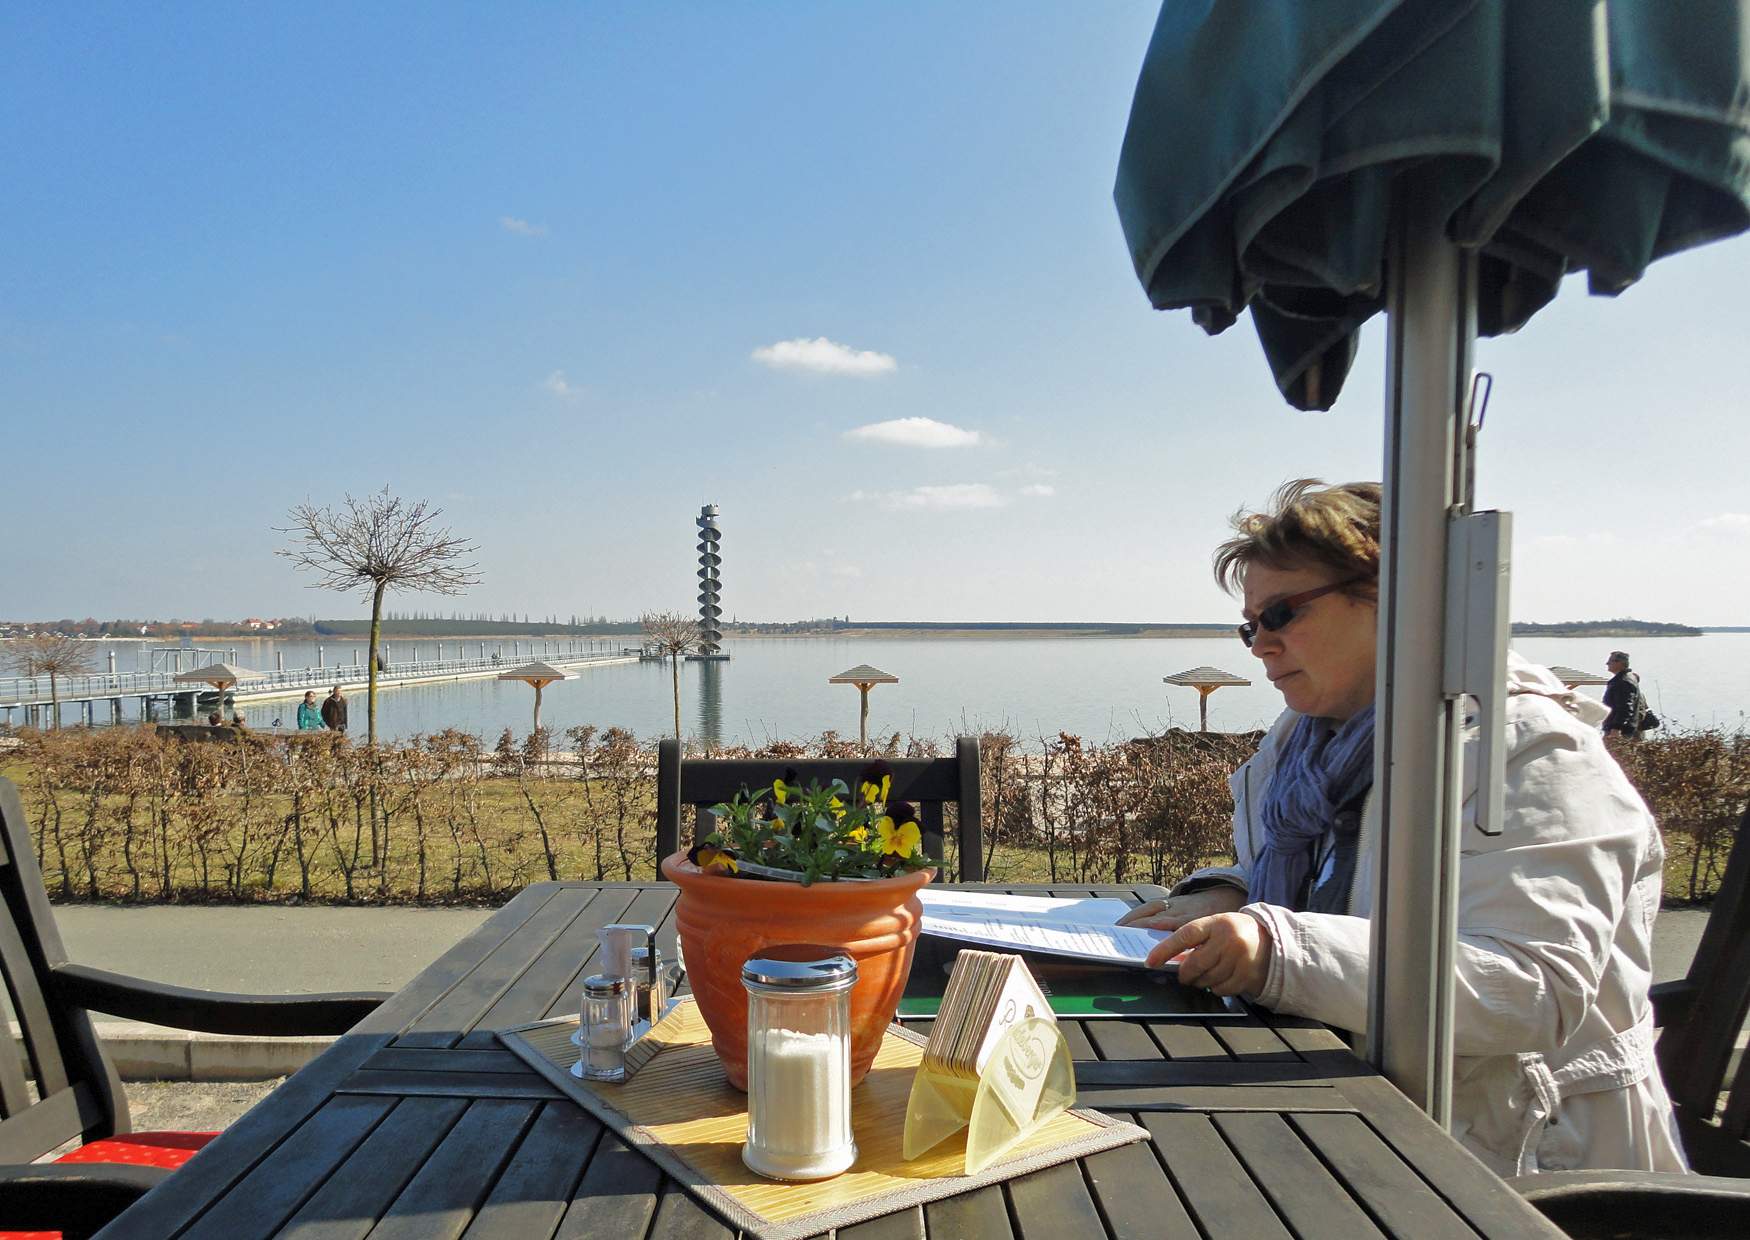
[(1099, 688)]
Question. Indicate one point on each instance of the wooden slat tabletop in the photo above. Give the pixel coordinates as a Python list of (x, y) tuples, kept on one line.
[(418, 1123)]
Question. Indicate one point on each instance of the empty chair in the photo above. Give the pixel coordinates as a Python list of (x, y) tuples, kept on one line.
[(78, 1095), (930, 783)]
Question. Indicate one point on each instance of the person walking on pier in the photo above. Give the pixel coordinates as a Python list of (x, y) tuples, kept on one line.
[(334, 710), (309, 716), (1623, 696)]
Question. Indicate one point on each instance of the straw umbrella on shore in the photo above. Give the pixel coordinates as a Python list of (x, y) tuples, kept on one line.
[(221, 676), (539, 675), (1205, 680), (865, 678)]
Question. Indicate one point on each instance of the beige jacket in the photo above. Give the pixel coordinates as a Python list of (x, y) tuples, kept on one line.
[(1554, 1035)]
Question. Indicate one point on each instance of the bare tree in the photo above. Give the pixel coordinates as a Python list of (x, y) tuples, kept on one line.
[(54, 656), (377, 544), (674, 635)]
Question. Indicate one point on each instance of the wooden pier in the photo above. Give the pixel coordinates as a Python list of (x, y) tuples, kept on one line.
[(102, 693)]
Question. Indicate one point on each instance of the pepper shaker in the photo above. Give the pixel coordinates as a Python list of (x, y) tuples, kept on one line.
[(652, 996)]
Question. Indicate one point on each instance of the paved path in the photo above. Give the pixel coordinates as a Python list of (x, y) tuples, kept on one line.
[(264, 948)]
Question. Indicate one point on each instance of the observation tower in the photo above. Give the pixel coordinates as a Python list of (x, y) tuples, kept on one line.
[(710, 586)]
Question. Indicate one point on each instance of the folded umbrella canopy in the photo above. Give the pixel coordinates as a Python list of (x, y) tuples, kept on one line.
[(1447, 161), (1269, 139)]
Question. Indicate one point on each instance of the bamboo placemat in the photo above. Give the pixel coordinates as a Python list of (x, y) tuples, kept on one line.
[(681, 1111)]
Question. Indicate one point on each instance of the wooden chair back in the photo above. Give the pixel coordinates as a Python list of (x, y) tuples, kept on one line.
[(1702, 1016), (78, 1094), (930, 783)]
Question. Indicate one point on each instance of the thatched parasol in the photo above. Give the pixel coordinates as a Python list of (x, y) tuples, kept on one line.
[(539, 675), (865, 678), (1205, 680), (221, 676)]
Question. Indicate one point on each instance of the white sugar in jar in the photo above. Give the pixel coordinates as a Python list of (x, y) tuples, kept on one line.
[(799, 1062)]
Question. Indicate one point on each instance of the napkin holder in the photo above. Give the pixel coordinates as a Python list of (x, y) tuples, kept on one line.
[(1028, 1080)]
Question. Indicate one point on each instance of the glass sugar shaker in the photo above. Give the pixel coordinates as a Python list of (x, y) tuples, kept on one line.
[(605, 1024), (799, 1062)]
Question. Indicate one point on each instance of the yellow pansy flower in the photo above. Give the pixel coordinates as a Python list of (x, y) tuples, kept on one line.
[(902, 840)]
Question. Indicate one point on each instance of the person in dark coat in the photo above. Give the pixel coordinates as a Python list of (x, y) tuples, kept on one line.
[(1623, 696), (334, 711)]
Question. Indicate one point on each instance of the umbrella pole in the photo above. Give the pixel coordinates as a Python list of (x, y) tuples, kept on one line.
[(1431, 306)]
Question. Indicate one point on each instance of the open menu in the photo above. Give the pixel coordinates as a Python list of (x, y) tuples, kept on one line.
[(1082, 929)]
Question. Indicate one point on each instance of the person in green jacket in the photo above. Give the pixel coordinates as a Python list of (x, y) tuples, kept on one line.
[(309, 718)]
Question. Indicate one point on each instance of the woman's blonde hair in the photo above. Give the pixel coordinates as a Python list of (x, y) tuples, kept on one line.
[(1308, 524)]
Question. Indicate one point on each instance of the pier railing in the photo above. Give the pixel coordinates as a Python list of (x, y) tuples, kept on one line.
[(95, 686)]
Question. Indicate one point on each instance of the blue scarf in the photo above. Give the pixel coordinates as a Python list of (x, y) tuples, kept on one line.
[(1318, 772)]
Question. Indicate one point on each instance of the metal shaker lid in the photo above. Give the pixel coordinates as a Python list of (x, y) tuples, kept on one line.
[(794, 967)]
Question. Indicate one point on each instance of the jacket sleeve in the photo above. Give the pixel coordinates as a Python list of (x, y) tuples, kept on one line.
[(1538, 908), (1212, 876), (1619, 695)]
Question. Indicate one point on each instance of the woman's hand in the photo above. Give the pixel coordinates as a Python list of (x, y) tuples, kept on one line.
[(1175, 911), (1228, 953)]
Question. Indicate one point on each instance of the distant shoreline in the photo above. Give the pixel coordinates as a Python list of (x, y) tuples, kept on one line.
[(876, 631)]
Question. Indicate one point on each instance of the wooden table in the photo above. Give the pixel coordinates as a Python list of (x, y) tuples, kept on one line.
[(418, 1123)]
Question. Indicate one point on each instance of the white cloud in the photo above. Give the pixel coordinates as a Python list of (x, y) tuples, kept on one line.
[(953, 495), (562, 387), (1038, 488), (823, 356), (1726, 523), (521, 228), (916, 433)]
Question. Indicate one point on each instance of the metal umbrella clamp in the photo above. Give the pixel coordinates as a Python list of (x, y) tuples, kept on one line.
[(1447, 162)]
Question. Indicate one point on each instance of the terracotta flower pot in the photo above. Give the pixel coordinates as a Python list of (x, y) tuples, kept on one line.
[(724, 921)]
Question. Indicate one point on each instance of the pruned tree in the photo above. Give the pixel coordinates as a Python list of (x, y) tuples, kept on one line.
[(674, 635), (374, 545), (52, 655)]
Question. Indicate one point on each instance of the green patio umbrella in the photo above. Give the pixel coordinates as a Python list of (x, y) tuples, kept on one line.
[(1448, 162), (1270, 141)]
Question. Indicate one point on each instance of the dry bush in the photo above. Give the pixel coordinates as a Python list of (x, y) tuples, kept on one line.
[(127, 813), (1697, 783)]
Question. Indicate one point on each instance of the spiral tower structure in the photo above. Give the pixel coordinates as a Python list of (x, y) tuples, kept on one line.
[(710, 583)]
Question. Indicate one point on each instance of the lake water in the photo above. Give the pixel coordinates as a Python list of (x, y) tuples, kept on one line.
[(1099, 688)]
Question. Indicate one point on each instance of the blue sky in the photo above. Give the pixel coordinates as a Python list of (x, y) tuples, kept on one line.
[(545, 264)]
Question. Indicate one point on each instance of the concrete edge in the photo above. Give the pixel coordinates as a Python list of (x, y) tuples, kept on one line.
[(143, 1052)]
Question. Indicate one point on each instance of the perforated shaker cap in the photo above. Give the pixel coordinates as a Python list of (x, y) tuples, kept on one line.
[(793, 967)]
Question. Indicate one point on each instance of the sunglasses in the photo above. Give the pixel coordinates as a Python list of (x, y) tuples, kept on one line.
[(1281, 613)]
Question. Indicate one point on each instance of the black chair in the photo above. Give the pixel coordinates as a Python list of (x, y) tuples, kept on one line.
[(1701, 1018), (930, 783), (78, 1095)]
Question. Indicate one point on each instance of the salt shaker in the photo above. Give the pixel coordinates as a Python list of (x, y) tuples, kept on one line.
[(605, 1024), (799, 1062)]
